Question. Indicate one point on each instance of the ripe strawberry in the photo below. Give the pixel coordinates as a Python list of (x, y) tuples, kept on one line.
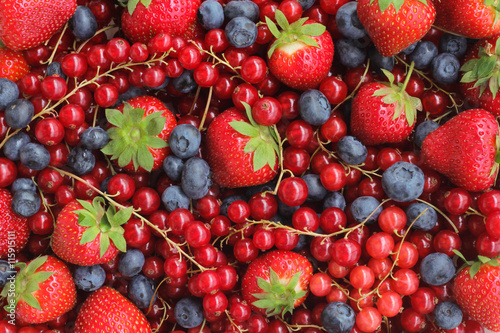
[(14, 231), (470, 18), (44, 290), (302, 53), (140, 132), (27, 23), (465, 149), (13, 66), (106, 310), (384, 113), (393, 25), (145, 19), (240, 152), (87, 234), (277, 282)]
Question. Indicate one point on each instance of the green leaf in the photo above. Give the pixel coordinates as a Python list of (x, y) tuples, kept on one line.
[(493, 262), (252, 145), (156, 126), (461, 256), (31, 301), (155, 142), (259, 157), (125, 157), (493, 85), (497, 47), (87, 205), (244, 128), (145, 158), (270, 155), (309, 41), (85, 221), (294, 280), (383, 91), (313, 29), (272, 27), (264, 304), (397, 4), (114, 117), (474, 269), (248, 111), (273, 47), (483, 259), (90, 234), (131, 5), (146, 3), (118, 240), (300, 294), (35, 264), (469, 65), (281, 19), (389, 75), (273, 276), (468, 77), (486, 66), (104, 246), (278, 289), (263, 284), (122, 216), (40, 277), (136, 115)]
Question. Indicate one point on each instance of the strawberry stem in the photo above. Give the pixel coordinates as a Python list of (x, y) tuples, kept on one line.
[(408, 76)]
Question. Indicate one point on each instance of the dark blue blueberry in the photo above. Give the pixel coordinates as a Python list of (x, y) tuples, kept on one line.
[(132, 92), (13, 145), (366, 209), (104, 184), (456, 45), (302, 243), (306, 4), (172, 165), (89, 278), (447, 315), (196, 181), (25, 203), (285, 210), (185, 140), (349, 53), (188, 312), (94, 138), (81, 160), (54, 68), (422, 130), (351, 150), (403, 181), (185, 82), (425, 216), (174, 197), (229, 200), (141, 291), (410, 49), (445, 68), (23, 184), (379, 61), (19, 113), (83, 23), (423, 54), (211, 14), (241, 8), (437, 269), (7, 273), (163, 85), (348, 22), (252, 190), (34, 156), (314, 107), (131, 263), (338, 317), (334, 199), (316, 190), (9, 92), (241, 32)]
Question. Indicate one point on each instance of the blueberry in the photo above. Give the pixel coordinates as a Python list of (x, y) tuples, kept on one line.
[(34, 156), (185, 82), (23, 184), (379, 61), (366, 209), (338, 317), (437, 269), (104, 184), (81, 160), (314, 107), (131, 263), (25, 203), (185, 140), (252, 190), (83, 23), (229, 200), (334, 199), (9, 92), (422, 130), (89, 278), (94, 138), (211, 14), (172, 165), (410, 49), (350, 54), (241, 8), (348, 23), (241, 32), (7, 273), (55, 69), (174, 197), (19, 113), (447, 315), (302, 242), (456, 45), (195, 181), (13, 145), (403, 181), (188, 312), (316, 190), (425, 216), (285, 210), (163, 85), (130, 93), (445, 68), (306, 4), (423, 54), (351, 150), (141, 291)]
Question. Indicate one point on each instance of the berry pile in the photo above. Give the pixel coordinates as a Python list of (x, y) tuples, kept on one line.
[(255, 166)]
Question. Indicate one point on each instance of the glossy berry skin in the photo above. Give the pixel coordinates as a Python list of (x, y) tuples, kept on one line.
[(14, 65), (9, 221)]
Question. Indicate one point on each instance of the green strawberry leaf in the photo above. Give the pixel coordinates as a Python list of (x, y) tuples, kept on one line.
[(32, 301), (114, 117), (145, 157), (308, 41), (104, 245), (483, 259), (244, 128), (474, 269), (281, 19), (259, 158), (313, 29), (118, 240), (272, 27), (90, 235), (384, 4), (121, 217), (252, 145), (35, 264), (132, 5), (263, 284)]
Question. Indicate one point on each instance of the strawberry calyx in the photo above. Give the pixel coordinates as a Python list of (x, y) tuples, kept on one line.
[(475, 266), (279, 296), (495, 6), (293, 36), (132, 4), (104, 223), (384, 4), (132, 135)]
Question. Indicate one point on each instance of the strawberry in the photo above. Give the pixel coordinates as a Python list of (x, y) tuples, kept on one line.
[(140, 132), (465, 149), (470, 18), (240, 152), (44, 290), (27, 23), (13, 66), (277, 282), (384, 113), (302, 53), (14, 231), (87, 234), (106, 310), (393, 25), (145, 19)]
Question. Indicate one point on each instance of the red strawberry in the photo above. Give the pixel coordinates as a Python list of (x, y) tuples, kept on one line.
[(13, 228), (465, 149), (470, 18), (384, 113), (27, 23), (13, 66), (277, 282), (140, 132), (240, 152), (44, 290), (145, 19), (87, 234), (393, 25), (106, 310), (302, 54)]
